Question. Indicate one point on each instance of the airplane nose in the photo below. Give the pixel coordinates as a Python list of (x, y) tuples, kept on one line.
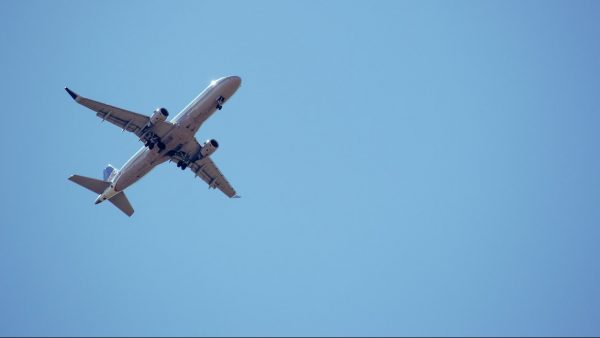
[(236, 80)]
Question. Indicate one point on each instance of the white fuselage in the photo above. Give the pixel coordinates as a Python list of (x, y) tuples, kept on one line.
[(185, 126)]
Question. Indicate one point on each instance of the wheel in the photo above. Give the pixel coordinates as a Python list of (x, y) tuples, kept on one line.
[(161, 145), (219, 107), (179, 164), (183, 166), (151, 146)]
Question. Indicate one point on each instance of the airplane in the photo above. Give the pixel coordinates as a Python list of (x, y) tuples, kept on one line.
[(163, 141)]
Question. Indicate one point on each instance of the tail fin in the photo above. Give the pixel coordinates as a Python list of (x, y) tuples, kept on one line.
[(109, 172), (89, 183), (120, 201)]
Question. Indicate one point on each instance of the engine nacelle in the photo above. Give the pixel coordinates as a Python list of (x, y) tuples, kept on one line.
[(160, 114), (209, 148)]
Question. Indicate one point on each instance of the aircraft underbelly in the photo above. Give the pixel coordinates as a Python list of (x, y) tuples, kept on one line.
[(138, 168)]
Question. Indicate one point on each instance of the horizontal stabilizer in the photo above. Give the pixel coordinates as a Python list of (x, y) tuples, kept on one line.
[(99, 186), (120, 201), (95, 185)]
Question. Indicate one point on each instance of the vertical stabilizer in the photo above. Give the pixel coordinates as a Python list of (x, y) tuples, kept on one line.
[(109, 173)]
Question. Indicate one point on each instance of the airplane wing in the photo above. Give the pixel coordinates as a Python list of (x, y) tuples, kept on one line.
[(207, 170), (124, 119)]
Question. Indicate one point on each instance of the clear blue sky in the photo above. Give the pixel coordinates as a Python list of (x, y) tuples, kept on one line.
[(407, 168)]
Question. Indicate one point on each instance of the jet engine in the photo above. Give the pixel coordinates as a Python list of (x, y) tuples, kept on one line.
[(209, 148), (160, 114)]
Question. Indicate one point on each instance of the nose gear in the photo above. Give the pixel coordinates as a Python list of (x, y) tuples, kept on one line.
[(220, 101)]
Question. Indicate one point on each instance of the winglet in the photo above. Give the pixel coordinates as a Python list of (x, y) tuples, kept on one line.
[(72, 93), (236, 196)]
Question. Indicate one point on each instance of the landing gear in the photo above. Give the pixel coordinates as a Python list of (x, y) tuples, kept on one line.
[(182, 165), (151, 143), (183, 159), (220, 101)]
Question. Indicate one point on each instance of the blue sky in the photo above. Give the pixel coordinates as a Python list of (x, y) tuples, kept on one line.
[(407, 168)]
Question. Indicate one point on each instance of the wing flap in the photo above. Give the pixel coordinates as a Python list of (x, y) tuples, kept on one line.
[(130, 125)]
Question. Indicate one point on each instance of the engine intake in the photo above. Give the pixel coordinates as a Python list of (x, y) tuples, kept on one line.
[(209, 147), (160, 114)]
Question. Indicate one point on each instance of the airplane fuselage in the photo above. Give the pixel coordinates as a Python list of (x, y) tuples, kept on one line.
[(181, 136)]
